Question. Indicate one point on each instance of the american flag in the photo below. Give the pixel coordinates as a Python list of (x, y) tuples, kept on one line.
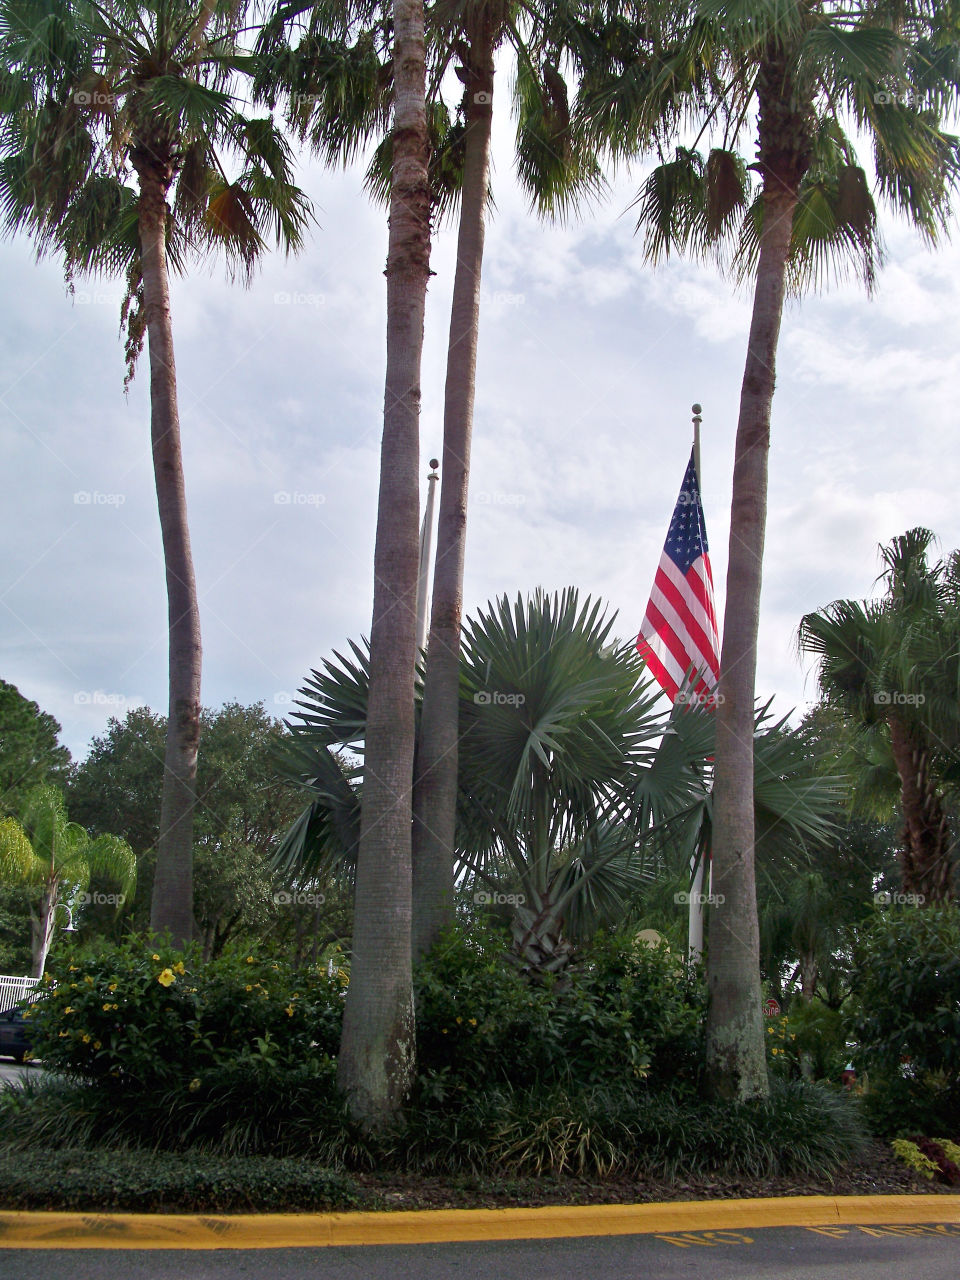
[(679, 640)]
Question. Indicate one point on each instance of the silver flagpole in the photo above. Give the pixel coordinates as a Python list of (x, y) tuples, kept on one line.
[(695, 905), (426, 555)]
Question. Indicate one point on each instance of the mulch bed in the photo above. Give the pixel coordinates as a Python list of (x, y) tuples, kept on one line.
[(876, 1172)]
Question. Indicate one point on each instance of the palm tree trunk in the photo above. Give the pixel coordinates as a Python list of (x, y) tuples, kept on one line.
[(736, 1065), (171, 907), (41, 928), (435, 787), (376, 1060), (924, 859)]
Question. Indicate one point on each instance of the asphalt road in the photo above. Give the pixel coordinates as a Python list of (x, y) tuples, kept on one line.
[(929, 1252), (10, 1073)]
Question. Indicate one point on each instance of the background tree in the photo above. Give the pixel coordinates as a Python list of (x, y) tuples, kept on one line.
[(788, 80), (57, 857), (242, 811), (891, 668), (30, 751), (92, 96)]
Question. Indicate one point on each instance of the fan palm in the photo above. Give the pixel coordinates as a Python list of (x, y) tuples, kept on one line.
[(788, 79), (575, 787), (892, 667), (94, 94), (58, 857)]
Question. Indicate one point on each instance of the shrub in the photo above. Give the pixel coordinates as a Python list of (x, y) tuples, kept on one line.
[(148, 1017), (623, 1012), (151, 1182), (907, 979)]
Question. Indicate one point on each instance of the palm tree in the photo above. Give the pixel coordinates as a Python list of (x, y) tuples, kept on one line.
[(376, 1061), (576, 788), (891, 667), (336, 78), (58, 857), (556, 175), (801, 70), (94, 94)]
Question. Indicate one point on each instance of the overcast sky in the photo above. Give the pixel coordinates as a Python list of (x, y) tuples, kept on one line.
[(589, 363)]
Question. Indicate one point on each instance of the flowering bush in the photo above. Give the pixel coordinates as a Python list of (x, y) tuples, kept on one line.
[(137, 1016)]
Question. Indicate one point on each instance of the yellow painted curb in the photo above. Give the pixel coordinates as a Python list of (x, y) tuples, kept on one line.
[(298, 1231)]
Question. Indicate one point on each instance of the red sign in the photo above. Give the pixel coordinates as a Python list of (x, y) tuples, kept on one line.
[(771, 1008)]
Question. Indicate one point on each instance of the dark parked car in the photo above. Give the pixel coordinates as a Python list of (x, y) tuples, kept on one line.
[(14, 1035)]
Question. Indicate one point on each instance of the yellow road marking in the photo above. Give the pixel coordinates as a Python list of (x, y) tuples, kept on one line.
[(293, 1231)]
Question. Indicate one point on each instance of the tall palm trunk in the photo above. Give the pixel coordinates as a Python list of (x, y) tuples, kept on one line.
[(42, 925), (376, 1060), (925, 856), (172, 903), (435, 790), (736, 1064)]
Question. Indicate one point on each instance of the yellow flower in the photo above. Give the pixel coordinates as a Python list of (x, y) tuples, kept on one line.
[(72, 969), (97, 1044), (86, 1038), (88, 980), (106, 1008), (68, 1009), (64, 1035), (166, 979), (249, 959), (774, 1050), (769, 1031), (444, 1031), (194, 1085), (249, 988), (155, 956), (178, 968), (459, 1020), (289, 1011), (473, 1022), (112, 986)]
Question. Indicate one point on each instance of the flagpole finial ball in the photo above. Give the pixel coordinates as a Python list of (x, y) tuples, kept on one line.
[(434, 463), (698, 408)]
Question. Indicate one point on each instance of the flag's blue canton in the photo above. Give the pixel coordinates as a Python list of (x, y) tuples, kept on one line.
[(687, 535)]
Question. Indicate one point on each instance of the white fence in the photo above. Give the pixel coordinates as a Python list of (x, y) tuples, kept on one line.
[(14, 989)]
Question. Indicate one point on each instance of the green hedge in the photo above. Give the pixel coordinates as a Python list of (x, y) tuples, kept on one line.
[(155, 1182)]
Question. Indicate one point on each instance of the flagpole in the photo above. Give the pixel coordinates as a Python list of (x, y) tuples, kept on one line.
[(426, 555), (695, 904)]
